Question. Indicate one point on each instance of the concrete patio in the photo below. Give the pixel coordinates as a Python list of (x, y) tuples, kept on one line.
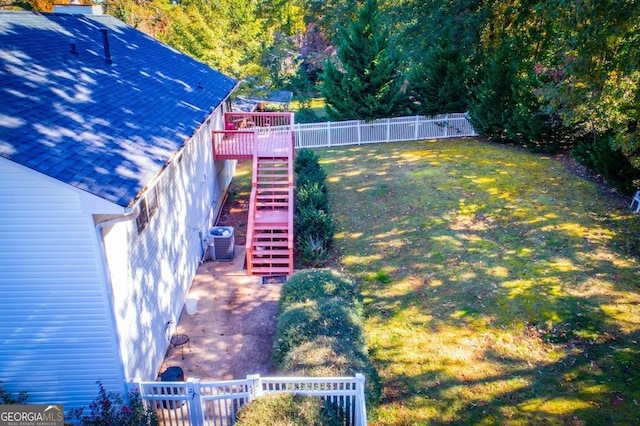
[(230, 320)]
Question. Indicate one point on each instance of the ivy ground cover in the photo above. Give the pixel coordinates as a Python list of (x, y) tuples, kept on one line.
[(499, 288)]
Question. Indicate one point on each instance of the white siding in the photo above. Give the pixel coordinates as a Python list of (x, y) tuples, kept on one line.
[(152, 272), (55, 331)]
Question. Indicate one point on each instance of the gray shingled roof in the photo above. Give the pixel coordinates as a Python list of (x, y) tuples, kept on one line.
[(106, 128)]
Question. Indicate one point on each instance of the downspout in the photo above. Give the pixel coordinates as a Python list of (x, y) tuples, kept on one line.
[(109, 285)]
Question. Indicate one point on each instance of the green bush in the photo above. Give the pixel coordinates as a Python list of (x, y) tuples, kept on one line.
[(303, 322), (316, 284), (313, 225), (307, 169), (305, 159), (598, 156), (327, 356), (319, 330), (287, 409), (314, 235), (313, 196), (307, 115)]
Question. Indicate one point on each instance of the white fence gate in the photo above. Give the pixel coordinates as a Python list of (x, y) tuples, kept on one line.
[(195, 403), (399, 129)]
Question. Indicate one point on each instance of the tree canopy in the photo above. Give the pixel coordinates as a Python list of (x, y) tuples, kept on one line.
[(548, 75), (364, 81)]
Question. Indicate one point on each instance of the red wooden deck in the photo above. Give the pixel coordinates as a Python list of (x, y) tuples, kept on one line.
[(267, 139)]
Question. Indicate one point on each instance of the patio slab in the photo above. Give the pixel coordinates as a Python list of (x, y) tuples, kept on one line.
[(230, 319)]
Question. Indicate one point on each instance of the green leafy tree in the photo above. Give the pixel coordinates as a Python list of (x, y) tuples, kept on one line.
[(592, 69), (438, 83), (365, 83)]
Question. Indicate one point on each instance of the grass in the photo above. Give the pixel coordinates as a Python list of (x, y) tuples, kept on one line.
[(498, 287), (315, 104)]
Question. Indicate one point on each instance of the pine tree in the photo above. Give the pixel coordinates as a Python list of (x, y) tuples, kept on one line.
[(438, 83), (365, 83)]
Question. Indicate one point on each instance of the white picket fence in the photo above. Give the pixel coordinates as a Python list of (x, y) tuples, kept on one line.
[(195, 403), (399, 129)]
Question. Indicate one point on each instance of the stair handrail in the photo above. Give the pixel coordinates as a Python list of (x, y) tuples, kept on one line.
[(252, 210)]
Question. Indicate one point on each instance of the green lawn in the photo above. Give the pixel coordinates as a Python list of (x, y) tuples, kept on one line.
[(316, 105), (499, 288)]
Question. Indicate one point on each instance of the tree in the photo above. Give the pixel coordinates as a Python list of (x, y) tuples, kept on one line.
[(365, 82), (438, 83), (592, 69)]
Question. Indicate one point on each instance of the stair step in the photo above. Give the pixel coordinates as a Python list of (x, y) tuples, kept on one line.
[(269, 244), (270, 270), (272, 159), (270, 238), (273, 182), (276, 201), (276, 176), (269, 234), (281, 189), (278, 196), (272, 205), (267, 241), (268, 167), (267, 252), (270, 227)]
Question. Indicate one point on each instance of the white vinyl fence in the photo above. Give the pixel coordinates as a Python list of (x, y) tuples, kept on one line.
[(399, 129), (195, 403)]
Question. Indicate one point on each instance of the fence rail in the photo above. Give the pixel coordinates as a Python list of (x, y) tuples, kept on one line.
[(399, 129), (195, 403)]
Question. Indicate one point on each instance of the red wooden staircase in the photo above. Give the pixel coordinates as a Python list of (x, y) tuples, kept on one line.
[(270, 235)]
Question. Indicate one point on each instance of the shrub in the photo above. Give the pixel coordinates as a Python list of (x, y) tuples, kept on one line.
[(314, 235), (327, 356), (303, 322), (316, 284), (109, 408), (8, 399), (308, 170), (319, 329), (313, 225), (598, 156), (313, 196), (307, 115), (306, 160), (287, 409)]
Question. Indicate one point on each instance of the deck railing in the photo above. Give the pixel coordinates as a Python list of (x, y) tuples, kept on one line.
[(244, 132), (248, 120), (233, 144), (195, 403), (399, 129), (338, 133)]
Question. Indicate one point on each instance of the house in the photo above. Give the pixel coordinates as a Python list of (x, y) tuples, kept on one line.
[(107, 189)]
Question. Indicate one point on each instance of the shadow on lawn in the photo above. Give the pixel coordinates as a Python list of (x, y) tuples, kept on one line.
[(584, 314), (594, 380), (495, 291)]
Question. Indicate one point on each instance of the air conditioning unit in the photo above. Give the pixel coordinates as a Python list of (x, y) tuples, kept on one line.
[(221, 243)]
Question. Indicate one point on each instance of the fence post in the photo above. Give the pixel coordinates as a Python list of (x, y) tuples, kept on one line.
[(388, 130), (446, 126), (255, 386), (359, 132), (361, 404), (415, 133), (329, 133), (196, 413)]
